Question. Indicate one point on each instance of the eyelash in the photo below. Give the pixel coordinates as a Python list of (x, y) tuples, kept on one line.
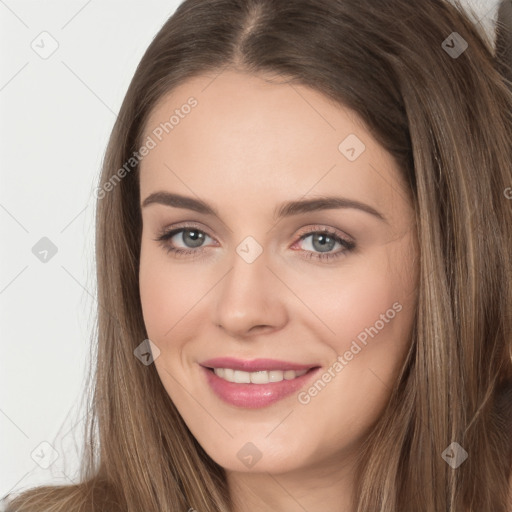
[(349, 246)]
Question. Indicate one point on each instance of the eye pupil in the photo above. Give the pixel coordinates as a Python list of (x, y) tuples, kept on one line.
[(323, 240), (197, 237)]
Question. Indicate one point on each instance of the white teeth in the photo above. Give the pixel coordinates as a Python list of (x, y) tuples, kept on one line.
[(263, 377)]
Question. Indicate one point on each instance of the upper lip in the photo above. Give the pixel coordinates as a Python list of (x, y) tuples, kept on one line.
[(255, 365)]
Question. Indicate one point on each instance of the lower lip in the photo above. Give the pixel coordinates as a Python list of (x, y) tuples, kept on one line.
[(254, 396)]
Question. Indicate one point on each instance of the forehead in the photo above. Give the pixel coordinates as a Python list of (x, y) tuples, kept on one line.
[(245, 137)]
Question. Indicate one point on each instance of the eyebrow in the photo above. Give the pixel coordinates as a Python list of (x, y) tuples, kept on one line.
[(286, 209)]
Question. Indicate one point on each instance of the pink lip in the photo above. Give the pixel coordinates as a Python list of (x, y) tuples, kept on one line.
[(256, 365), (254, 396)]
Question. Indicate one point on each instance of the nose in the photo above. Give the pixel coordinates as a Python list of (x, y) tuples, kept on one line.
[(250, 299)]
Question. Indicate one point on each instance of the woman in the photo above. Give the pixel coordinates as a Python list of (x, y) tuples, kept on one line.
[(303, 257)]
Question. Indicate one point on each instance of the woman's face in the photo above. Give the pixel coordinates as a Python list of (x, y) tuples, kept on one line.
[(270, 272)]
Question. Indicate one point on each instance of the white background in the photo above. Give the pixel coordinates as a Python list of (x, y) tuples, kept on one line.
[(55, 118)]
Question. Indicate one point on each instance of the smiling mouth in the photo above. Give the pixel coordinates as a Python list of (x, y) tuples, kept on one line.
[(256, 389), (258, 377)]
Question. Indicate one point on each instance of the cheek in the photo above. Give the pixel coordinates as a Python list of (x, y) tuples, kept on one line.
[(369, 300), (368, 311), (371, 309), (163, 292)]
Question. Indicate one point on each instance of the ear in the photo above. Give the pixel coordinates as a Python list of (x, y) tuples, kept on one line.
[(504, 38)]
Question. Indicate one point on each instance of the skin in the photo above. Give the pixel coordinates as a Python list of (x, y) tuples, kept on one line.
[(248, 146)]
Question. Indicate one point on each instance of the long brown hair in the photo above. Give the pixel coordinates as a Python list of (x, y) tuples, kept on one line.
[(444, 111)]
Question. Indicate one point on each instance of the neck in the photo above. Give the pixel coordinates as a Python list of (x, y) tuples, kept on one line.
[(329, 485)]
